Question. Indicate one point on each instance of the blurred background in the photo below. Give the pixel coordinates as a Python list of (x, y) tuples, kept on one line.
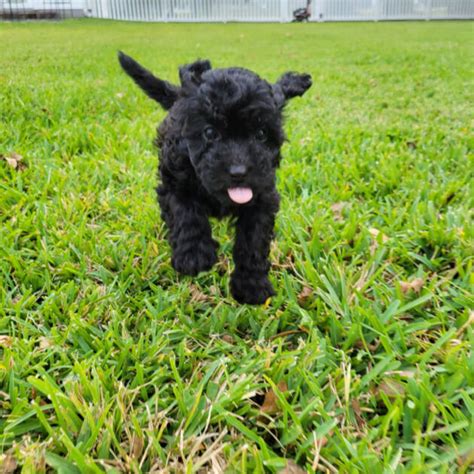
[(239, 10)]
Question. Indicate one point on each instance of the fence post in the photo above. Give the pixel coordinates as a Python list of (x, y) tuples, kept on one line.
[(429, 10), (105, 8), (283, 11), (317, 11), (377, 10)]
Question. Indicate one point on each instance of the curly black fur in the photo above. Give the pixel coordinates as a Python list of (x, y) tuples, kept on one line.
[(223, 131)]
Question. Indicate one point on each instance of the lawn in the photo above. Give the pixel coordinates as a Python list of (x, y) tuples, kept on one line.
[(363, 360)]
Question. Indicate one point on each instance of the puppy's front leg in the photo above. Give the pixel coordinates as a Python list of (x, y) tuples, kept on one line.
[(249, 282), (193, 247)]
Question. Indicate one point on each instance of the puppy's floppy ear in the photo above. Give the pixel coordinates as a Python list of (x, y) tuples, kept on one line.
[(190, 74), (290, 85), (157, 89)]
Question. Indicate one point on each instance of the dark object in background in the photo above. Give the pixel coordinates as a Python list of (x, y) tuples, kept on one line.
[(219, 150), (302, 14)]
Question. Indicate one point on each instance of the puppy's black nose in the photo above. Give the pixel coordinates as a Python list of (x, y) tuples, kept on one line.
[(238, 171)]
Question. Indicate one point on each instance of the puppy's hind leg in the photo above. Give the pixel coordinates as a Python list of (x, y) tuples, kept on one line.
[(192, 245)]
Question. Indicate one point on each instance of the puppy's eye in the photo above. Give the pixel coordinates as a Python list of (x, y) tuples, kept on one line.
[(261, 135), (211, 134)]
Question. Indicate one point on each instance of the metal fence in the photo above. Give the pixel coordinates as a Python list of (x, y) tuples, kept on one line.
[(244, 10), (278, 10), (41, 9)]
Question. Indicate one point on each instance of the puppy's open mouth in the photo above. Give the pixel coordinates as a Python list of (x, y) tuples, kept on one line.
[(240, 195)]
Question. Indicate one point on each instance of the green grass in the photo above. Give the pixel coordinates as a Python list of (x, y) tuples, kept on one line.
[(111, 362)]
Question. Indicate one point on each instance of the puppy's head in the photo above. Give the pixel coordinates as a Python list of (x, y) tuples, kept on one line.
[(231, 123)]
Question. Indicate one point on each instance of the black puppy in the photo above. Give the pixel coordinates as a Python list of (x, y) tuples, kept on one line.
[(219, 150)]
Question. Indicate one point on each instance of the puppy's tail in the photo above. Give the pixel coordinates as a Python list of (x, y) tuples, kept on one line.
[(163, 92)]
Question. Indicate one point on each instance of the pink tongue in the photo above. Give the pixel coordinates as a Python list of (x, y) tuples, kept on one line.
[(240, 195)]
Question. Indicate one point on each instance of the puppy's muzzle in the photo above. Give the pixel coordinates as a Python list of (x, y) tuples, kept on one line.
[(238, 171)]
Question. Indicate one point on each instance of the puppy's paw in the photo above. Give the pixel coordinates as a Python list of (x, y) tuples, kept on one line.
[(194, 260), (248, 289)]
